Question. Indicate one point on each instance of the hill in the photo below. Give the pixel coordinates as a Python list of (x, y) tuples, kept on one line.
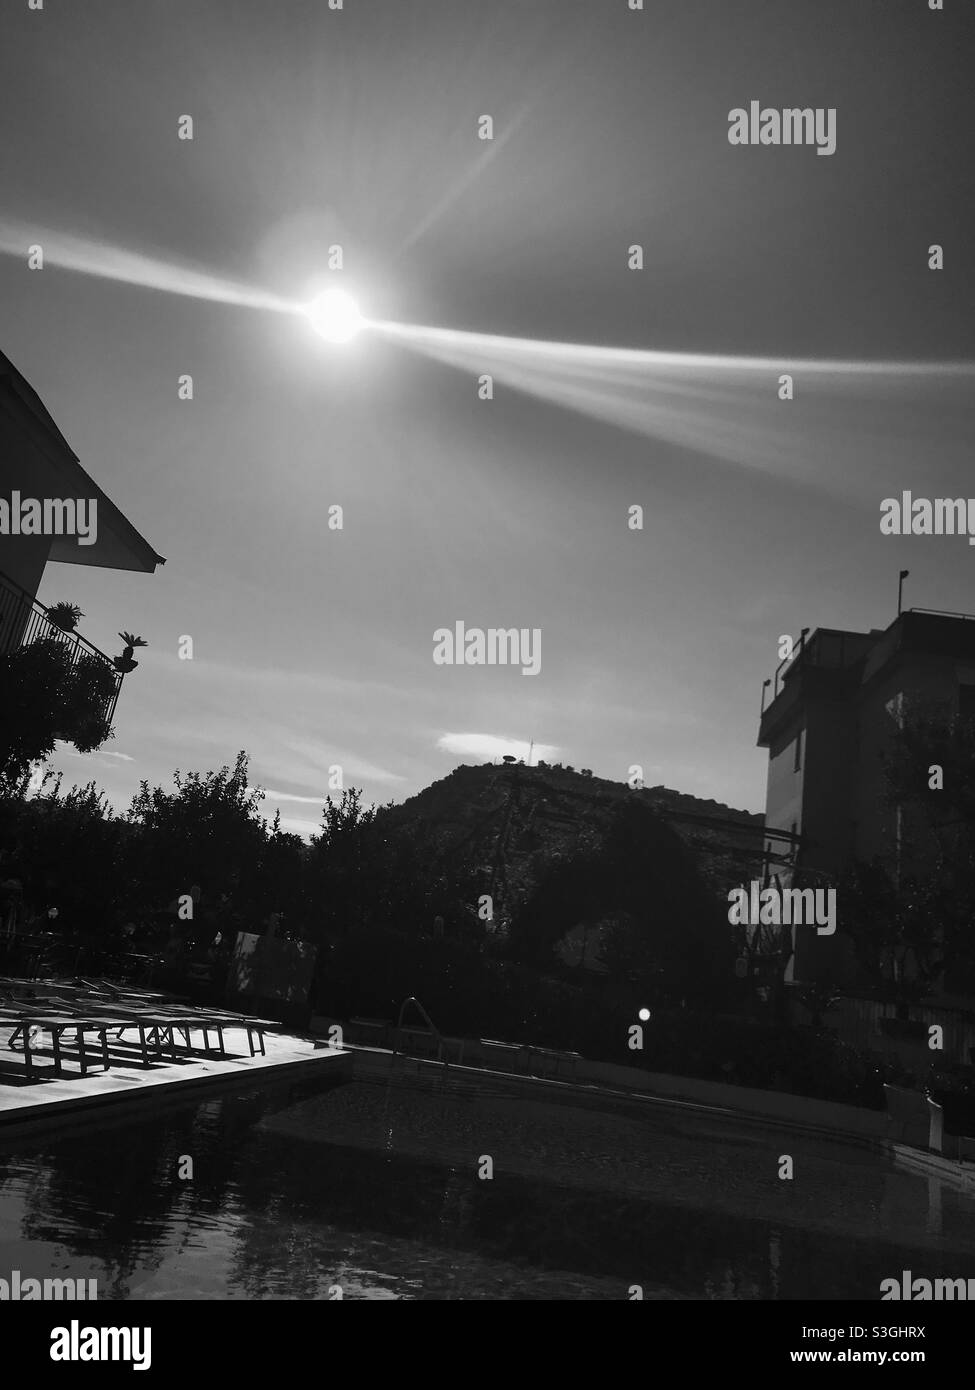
[(516, 821)]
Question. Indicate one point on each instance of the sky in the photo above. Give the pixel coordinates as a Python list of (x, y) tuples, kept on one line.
[(312, 127)]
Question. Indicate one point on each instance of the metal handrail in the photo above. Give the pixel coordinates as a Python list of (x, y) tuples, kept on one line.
[(24, 621), (802, 649), (797, 655), (806, 653), (412, 999), (942, 613)]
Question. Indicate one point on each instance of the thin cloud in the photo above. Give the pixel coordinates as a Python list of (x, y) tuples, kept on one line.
[(304, 828), (292, 796), (490, 746), (98, 753), (313, 755)]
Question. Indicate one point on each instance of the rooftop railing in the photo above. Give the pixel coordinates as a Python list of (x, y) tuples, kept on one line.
[(832, 648), (942, 613), (827, 649)]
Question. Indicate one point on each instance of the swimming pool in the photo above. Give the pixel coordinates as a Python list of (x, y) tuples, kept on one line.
[(372, 1191)]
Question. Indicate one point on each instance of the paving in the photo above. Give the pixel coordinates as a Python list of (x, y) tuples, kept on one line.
[(52, 1096)]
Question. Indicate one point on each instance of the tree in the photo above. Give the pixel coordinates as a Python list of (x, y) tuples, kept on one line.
[(208, 833), (906, 936), (912, 935), (927, 739), (68, 851), (46, 696), (660, 925)]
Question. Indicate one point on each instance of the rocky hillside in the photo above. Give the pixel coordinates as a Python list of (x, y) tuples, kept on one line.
[(516, 820)]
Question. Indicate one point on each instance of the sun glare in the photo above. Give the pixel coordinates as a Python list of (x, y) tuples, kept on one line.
[(335, 315)]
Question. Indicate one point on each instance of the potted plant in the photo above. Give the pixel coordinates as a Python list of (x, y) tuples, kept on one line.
[(64, 615), (124, 663)]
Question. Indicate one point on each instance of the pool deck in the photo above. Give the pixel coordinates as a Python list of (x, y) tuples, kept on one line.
[(51, 1099)]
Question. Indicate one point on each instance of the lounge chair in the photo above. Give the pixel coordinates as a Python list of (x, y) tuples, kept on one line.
[(164, 1023), (57, 1025)]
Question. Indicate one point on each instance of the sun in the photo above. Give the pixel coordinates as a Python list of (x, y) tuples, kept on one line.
[(335, 315)]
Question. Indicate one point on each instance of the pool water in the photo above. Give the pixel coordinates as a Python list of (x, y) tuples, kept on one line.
[(377, 1190)]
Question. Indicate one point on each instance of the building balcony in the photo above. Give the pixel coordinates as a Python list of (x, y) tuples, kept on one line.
[(25, 622), (833, 665), (829, 666)]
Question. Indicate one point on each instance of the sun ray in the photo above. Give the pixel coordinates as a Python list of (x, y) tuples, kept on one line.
[(441, 342), (99, 258), (719, 405)]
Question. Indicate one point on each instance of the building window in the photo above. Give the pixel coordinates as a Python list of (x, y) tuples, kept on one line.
[(797, 759)]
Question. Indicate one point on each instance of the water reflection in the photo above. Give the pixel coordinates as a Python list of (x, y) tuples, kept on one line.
[(774, 1260), (373, 1188), (934, 1222)]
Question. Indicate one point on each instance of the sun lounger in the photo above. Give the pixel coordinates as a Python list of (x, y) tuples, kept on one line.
[(205, 1019), (215, 1018), (57, 1025), (156, 1031), (165, 1022), (155, 1036), (90, 1005)]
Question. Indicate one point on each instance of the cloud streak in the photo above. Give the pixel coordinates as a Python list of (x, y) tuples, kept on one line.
[(487, 746), (292, 796), (107, 262), (723, 406)]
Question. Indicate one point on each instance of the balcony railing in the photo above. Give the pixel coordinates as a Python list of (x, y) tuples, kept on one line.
[(829, 649), (24, 621)]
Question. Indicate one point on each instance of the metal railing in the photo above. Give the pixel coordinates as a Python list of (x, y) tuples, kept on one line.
[(941, 613), (412, 999), (24, 621), (822, 649), (826, 649)]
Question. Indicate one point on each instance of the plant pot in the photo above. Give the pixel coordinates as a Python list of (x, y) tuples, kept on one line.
[(125, 664)]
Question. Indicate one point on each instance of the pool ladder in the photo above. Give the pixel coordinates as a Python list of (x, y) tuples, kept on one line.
[(441, 1050)]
